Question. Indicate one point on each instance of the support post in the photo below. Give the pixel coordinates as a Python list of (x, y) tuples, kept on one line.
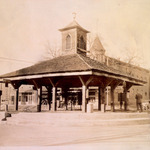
[(61, 98), (87, 92), (85, 84), (36, 97), (103, 102), (65, 90), (113, 85), (99, 98), (125, 95), (125, 100), (6, 98), (83, 98), (16, 100), (112, 99), (54, 99), (107, 91), (49, 97), (16, 87), (39, 99)]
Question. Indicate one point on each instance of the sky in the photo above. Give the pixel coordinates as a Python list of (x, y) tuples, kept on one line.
[(26, 26)]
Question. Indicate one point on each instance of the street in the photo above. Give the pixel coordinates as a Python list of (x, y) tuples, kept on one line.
[(61, 134)]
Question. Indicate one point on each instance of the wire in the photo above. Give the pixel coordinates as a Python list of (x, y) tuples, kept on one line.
[(9, 59)]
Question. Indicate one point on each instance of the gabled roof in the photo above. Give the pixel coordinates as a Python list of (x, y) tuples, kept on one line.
[(73, 24)]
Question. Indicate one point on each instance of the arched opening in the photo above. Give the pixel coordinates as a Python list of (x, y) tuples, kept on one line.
[(82, 44), (68, 42)]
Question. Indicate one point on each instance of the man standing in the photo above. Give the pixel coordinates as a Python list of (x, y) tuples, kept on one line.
[(138, 98)]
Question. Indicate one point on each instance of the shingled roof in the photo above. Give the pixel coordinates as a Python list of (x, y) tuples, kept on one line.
[(67, 63), (60, 64)]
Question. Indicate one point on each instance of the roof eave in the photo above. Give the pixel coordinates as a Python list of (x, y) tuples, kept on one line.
[(67, 28), (52, 74)]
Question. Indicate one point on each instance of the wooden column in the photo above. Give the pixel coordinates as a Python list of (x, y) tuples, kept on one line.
[(38, 88), (104, 83), (125, 100), (126, 87), (16, 87), (54, 83), (87, 92), (125, 95), (99, 98), (61, 98), (54, 99), (112, 99), (85, 83), (6, 97), (16, 99), (49, 96), (65, 96), (83, 98), (103, 101), (36, 97), (39, 99), (87, 95), (113, 85)]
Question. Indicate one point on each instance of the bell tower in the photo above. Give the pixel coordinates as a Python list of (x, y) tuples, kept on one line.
[(74, 39)]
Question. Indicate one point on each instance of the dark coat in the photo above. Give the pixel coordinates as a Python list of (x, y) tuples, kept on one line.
[(138, 98)]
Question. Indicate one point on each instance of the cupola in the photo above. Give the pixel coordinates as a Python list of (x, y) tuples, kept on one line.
[(74, 39)]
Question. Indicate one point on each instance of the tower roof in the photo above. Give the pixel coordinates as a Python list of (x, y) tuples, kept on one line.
[(97, 45), (73, 24)]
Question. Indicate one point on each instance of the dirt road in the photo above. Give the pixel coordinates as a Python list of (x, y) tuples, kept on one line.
[(74, 136)]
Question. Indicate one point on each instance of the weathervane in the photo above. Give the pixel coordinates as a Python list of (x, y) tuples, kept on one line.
[(74, 15)]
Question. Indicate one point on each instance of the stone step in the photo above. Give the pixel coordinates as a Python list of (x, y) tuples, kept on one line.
[(78, 118), (80, 122), (80, 115)]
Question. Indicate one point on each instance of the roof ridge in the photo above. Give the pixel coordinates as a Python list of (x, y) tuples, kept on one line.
[(84, 61), (73, 24)]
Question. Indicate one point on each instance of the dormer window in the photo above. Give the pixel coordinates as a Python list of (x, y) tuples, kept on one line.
[(68, 42)]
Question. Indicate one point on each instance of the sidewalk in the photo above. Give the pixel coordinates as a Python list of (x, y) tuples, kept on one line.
[(72, 118)]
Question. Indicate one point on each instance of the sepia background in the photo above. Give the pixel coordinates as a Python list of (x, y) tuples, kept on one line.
[(28, 26)]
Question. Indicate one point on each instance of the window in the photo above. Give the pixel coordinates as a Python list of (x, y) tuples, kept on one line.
[(30, 99), (26, 98), (68, 42), (82, 43), (12, 99)]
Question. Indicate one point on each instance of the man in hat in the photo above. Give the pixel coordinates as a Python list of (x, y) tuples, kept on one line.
[(138, 98)]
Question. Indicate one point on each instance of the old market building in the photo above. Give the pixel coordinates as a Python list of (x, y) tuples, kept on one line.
[(78, 71)]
